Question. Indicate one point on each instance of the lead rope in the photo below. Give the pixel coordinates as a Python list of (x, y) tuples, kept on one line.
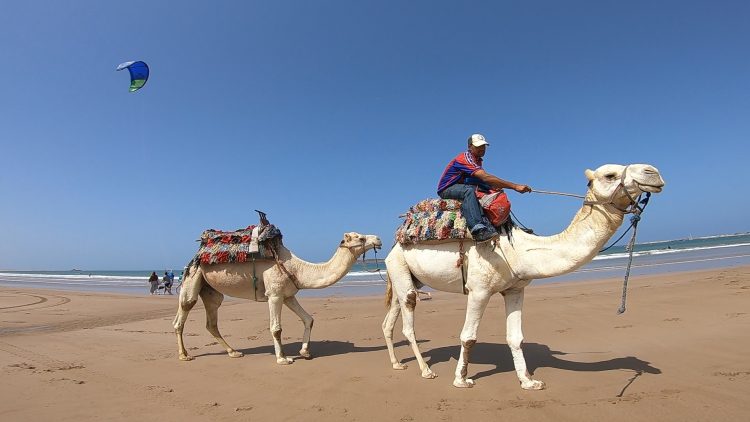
[(637, 208), (377, 266), (634, 219)]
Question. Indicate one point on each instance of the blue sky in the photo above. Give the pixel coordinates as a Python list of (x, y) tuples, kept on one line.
[(336, 116)]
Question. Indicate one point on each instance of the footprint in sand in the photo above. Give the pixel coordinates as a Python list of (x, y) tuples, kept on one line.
[(68, 379), (23, 365), (623, 326), (161, 388), (672, 319), (736, 314), (732, 375)]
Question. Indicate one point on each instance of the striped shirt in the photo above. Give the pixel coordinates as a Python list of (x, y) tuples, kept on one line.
[(460, 170)]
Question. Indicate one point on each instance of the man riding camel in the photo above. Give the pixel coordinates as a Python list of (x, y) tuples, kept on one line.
[(460, 179)]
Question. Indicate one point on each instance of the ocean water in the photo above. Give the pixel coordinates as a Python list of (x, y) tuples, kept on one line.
[(368, 277)]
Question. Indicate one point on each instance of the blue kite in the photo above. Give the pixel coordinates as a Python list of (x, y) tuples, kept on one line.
[(138, 74)]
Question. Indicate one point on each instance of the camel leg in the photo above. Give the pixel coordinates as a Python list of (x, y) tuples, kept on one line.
[(211, 301), (388, 324), (475, 307), (407, 319), (514, 337), (189, 293), (274, 307), (307, 320)]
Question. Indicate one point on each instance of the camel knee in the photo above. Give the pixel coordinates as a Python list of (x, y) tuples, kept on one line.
[(187, 304), (411, 299), (387, 329), (514, 342), (276, 333), (308, 322), (409, 334)]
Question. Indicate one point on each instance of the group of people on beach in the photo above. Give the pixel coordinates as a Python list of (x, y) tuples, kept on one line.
[(167, 280)]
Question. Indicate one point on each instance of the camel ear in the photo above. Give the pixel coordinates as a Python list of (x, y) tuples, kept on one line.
[(589, 174), (347, 237)]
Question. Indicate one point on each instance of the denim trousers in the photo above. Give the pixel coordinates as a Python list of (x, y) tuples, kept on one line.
[(470, 208)]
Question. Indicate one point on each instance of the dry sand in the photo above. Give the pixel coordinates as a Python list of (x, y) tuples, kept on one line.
[(680, 353)]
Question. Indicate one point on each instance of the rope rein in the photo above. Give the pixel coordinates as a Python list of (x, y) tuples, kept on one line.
[(636, 207)]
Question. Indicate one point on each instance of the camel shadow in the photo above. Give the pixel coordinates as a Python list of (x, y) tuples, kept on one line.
[(537, 356), (318, 349)]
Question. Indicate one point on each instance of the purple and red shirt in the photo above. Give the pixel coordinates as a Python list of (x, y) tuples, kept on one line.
[(460, 170)]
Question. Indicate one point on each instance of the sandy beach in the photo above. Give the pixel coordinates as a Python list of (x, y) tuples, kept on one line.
[(680, 353)]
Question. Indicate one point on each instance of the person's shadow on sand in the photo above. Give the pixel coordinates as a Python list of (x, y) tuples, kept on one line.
[(537, 356)]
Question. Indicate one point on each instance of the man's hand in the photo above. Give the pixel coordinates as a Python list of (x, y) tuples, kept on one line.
[(522, 188)]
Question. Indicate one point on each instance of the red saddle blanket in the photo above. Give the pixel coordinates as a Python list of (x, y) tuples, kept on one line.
[(218, 247)]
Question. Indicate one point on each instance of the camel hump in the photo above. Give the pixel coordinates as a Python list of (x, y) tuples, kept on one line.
[(433, 220)]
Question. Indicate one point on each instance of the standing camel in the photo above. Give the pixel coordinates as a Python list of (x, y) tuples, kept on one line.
[(276, 283), (508, 265)]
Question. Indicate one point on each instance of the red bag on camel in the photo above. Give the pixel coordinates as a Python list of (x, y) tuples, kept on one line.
[(495, 205)]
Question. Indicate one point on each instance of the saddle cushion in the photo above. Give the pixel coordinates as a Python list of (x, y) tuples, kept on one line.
[(433, 219), (219, 247)]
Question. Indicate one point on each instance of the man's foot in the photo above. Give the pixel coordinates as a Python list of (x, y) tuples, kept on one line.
[(484, 234)]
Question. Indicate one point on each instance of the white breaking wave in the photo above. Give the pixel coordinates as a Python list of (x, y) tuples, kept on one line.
[(665, 251)]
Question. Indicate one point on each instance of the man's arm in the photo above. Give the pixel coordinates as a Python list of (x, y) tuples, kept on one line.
[(498, 183)]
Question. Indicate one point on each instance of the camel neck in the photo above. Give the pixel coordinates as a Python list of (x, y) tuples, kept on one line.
[(320, 275), (549, 256)]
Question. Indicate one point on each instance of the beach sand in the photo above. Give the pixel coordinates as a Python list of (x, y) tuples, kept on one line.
[(679, 353)]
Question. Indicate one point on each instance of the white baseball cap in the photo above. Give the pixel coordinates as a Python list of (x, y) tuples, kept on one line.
[(478, 140)]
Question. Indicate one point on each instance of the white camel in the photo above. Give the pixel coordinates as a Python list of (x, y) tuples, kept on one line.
[(212, 282), (508, 264)]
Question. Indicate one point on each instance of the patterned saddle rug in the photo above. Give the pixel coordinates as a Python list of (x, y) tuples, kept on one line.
[(220, 247), (433, 219)]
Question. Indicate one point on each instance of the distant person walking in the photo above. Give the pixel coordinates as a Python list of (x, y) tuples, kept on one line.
[(168, 282), (154, 280)]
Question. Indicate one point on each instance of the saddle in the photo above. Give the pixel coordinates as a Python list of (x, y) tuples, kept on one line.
[(441, 219), (433, 220), (243, 245)]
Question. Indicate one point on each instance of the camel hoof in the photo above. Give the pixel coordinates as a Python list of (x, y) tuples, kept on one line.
[(305, 354), (235, 354), (186, 358), (533, 385), (463, 383), (427, 373), (284, 361), (399, 366)]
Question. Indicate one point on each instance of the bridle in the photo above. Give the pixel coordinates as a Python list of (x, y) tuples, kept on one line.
[(635, 207), (632, 208)]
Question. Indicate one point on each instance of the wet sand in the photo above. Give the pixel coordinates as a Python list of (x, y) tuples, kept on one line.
[(680, 353)]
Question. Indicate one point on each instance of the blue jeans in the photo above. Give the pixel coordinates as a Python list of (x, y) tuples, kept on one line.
[(470, 208)]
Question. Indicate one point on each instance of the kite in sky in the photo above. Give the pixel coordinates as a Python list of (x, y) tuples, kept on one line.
[(138, 74)]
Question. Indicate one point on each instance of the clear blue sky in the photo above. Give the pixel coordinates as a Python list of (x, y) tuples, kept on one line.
[(336, 116)]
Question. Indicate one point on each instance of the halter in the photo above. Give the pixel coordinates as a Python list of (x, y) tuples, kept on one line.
[(636, 207), (632, 208)]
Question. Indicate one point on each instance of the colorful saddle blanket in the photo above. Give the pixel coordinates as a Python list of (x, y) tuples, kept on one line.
[(433, 219), (219, 247)]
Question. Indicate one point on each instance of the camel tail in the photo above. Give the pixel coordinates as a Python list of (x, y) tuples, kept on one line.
[(191, 266), (388, 290)]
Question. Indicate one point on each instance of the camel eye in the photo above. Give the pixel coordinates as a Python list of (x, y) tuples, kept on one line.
[(610, 176)]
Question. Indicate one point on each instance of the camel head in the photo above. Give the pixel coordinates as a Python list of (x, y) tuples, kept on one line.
[(619, 185), (360, 243)]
